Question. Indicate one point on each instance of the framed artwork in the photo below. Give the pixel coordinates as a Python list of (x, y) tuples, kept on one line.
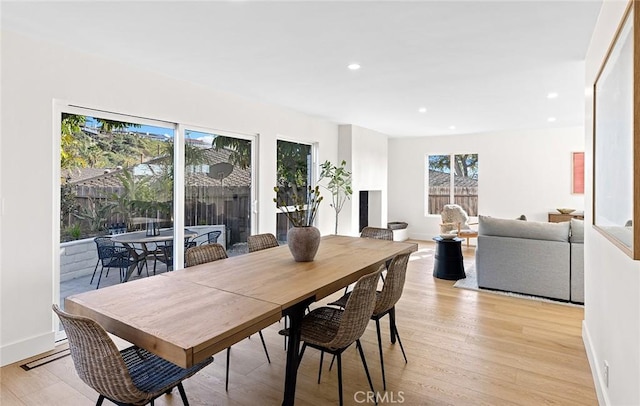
[(616, 144), (577, 172)]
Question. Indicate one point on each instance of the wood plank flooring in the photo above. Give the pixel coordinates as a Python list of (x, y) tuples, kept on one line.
[(464, 348)]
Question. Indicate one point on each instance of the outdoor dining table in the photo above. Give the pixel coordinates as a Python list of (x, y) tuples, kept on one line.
[(201, 310), (141, 237)]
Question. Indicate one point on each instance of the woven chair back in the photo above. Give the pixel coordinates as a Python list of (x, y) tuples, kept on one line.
[(98, 361), (393, 284), (261, 242), (205, 253), (377, 233), (357, 311)]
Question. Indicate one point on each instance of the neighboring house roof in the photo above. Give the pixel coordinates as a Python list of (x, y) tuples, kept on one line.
[(437, 178), (197, 175)]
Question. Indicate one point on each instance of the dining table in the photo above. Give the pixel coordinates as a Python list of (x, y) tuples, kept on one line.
[(193, 313), (143, 238)]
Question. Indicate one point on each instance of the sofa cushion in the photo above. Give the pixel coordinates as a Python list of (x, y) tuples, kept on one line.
[(523, 229), (577, 231)]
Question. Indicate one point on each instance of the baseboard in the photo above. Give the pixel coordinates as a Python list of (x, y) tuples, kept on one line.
[(30, 347), (601, 392)]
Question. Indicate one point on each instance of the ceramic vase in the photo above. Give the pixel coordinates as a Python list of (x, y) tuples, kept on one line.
[(303, 243)]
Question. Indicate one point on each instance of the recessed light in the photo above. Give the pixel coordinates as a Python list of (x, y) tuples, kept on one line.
[(354, 66), (552, 95), (452, 127), (551, 119), (422, 110)]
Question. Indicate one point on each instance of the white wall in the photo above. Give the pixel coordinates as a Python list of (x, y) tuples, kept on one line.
[(611, 329), (34, 74), (523, 172), (366, 153)]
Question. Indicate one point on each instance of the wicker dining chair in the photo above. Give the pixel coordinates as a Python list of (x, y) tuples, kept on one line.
[(261, 242), (378, 234), (386, 300), (132, 376), (203, 254), (333, 330)]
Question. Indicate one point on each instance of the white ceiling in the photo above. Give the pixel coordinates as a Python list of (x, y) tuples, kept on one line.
[(478, 65)]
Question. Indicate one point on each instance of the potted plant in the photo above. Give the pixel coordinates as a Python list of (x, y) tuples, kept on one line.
[(300, 205), (339, 184)]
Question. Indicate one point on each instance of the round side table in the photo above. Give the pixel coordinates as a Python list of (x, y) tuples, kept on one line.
[(448, 262)]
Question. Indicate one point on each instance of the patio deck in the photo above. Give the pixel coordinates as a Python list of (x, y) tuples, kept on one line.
[(81, 284)]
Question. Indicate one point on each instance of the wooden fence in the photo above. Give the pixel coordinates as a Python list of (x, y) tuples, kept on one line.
[(467, 198)]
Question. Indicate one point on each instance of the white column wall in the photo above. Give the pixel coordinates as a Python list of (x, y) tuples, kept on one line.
[(611, 329), (520, 172), (366, 153), (34, 74)]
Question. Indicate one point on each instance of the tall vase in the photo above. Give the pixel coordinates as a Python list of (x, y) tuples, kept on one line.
[(303, 243)]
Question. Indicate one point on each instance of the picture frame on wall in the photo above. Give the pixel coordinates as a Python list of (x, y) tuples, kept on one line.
[(616, 144)]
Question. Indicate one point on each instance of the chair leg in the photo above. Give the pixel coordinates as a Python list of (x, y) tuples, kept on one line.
[(320, 368), (384, 380), (392, 323), (226, 381), (304, 347), (395, 329), (364, 363), (183, 395), (264, 346), (100, 276), (94, 272), (339, 356), (100, 400)]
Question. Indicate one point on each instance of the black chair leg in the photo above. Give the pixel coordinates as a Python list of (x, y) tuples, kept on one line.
[(183, 395), (364, 363), (94, 272), (304, 347), (100, 400), (100, 277), (339, 356), (395, 329), (264, 346), (226, 382), (392, 322), (384, 380), (320, 368)]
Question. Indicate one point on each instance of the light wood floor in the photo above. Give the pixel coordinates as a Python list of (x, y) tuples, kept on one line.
[(464, 348)]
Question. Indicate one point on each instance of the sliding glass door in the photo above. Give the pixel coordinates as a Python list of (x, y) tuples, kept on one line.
[(218, 188)]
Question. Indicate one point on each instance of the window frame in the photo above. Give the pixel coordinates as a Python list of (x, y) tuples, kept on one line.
[(452, 176)]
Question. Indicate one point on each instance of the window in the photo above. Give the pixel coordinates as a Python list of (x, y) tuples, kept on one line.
[(294, 165), (452, 183)]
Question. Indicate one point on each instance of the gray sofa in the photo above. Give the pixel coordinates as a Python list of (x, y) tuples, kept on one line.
[(534, 258)]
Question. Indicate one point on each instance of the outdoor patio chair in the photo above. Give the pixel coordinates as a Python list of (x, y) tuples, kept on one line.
[(211, 237), (166, 256), (333, 330), (132, 376), (111, 255), (203, 254), (386, 300)]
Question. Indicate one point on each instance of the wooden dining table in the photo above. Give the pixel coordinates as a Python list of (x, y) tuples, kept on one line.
[(199, 311)]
